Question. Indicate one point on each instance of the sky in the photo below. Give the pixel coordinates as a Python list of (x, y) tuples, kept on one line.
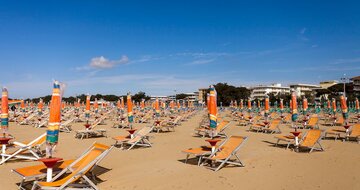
[(167, 47)]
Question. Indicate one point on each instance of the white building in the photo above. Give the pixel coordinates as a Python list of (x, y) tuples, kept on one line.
[(261, 90), (302, 89)]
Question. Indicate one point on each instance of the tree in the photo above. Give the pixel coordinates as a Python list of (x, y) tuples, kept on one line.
[(139, 96)]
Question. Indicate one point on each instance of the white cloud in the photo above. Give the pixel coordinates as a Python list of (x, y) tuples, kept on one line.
[(104, 63), (202, 61)]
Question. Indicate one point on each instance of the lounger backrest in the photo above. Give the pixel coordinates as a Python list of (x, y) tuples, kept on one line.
[(340, 120), (222, 125), (140, 134), (38, 141), (231, 145), (82, 166), (274, 124), (311, 137), (313, 121), (355, 130)]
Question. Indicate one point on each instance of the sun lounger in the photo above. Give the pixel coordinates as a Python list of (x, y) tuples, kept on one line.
[(311, 140), (91, 131), (312, 123), (272, 127), (219, 130), (140, 138), (225, 152), (197, 152), (77, 170), (21, 148)]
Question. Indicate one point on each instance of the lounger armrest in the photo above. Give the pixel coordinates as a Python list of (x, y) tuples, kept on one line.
[(19, 144)]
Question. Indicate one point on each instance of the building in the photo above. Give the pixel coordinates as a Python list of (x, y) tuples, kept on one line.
[(327, 84), (302, 89), (260, 91), (202, 95), (356, 83)]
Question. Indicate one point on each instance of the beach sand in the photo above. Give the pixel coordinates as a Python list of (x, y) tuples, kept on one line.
[(162, 167)]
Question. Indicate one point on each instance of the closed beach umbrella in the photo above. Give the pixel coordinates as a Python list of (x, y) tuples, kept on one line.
[(249, 104), (22, 106), (305, 105), (293, 105), (129, 109), (4, 112), (281, 105), (157, 109), (344, 108), (40, 106), (213, 108), (334, 106), (52, 133), (87, 107), (357, 106)]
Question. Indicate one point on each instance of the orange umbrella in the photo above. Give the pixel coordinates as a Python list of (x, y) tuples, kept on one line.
[(281, 105), (293, 105), (344, 107), (87, 108), (241, 104), (157, 109), (305, 104), (357, 105), (22, 105), (334, 105), (249, 104), (4, 112), (129, 109), (213, 107), (40, 106), (52, 133)]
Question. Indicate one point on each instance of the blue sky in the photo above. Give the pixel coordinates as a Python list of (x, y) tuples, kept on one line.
[(113, 47)]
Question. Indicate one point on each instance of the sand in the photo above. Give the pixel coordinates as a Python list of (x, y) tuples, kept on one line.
[(161, 166)]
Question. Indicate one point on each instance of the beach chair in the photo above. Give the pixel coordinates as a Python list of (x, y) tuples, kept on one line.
[(288, 139), (140, 138), (312, 123), (22, 149), (226, 153), (66, 126), (312, 140), (91, 132), (77, 170), (335, 132), (354, 133), (339, 121), (197, 152), (272, 127), (219, 130)]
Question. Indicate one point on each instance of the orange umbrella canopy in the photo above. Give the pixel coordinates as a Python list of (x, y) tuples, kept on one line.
[(52, 132), (157, 109), (293, 107), (4, 111), (129, 108), (305, 104), (344, 107), (213, 107), (334, 105)]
